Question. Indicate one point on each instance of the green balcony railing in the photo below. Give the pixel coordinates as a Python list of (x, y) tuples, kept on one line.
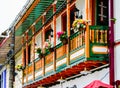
[(98, 42)]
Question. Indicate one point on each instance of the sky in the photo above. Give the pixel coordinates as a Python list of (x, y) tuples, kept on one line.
[(9, 9)]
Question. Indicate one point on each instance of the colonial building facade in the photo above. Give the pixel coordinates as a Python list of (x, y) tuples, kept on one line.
[(63, 44), (61, 39)]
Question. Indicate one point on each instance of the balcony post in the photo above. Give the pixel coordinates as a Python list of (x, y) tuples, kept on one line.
[(23, 59), (26, 56), (68, 32), (54, 28), (87, 33), (33, 46), (43, 40)]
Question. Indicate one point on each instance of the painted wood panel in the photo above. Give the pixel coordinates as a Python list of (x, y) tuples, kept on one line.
[(61, 51)]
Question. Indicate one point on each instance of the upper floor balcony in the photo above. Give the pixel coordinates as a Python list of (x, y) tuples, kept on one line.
[(84, 48), (70, 58)]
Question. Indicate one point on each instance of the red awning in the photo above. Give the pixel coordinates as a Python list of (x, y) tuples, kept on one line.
[(98, 84)]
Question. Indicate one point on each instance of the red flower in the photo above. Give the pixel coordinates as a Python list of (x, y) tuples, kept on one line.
[(59, 34)]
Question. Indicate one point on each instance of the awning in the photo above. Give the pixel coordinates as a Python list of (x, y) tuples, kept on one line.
[(98, 84)]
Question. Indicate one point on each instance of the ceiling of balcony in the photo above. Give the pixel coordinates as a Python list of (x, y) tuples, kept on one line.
[(38, 10)]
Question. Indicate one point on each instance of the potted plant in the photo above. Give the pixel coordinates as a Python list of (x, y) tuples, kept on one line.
[(48, 46), (39, 51), (78, 25), (19, 67), (62, 36)]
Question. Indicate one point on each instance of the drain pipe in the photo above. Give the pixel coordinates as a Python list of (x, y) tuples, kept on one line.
[(111, 42)]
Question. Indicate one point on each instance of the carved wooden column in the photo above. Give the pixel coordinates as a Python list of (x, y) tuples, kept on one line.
[(43, 40), (54, 28), (87, 32), (26, 56), (23, 59), (68, 32), (33, 52)]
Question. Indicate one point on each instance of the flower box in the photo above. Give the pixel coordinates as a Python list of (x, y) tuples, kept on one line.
[(62, 36)]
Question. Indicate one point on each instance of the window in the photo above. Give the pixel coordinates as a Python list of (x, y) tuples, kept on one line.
[(102, 12), (64, 22), (29, 54), (64, 18), (24, 57), (49, 35), (72, 17)]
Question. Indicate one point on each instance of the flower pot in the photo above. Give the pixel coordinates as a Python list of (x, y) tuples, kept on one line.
[(40, 56), (51, 49), (64, 41)]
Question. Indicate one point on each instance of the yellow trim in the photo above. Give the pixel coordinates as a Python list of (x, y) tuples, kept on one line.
[(105, 36), (97, 40), (101, 40), (93, 36)]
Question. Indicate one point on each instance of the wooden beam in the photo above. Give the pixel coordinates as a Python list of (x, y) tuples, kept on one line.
[(23, 56), (54, 28), (23, 59), (68, 32), (33, 51), (43, 40), (26, 56), (87, 32)]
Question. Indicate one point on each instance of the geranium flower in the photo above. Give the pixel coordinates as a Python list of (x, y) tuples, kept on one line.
[(62, 35), (59, 34)]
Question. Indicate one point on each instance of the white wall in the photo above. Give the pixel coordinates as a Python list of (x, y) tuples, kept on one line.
[(117, 62), (38, 42), (58, 27), (18, 77), (82, 81), (7, 78), (117, 37), (80, 4), (117, 16)]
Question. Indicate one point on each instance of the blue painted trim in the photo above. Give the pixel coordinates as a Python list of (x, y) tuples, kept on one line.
[(49, 73), (3, 79), (78, 60), (61, 67)]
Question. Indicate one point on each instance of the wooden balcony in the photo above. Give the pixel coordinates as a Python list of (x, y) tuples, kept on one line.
[(98, 43), (45, 67)]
